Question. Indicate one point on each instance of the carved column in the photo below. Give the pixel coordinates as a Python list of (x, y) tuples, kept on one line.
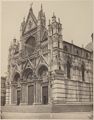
[(13, 94), (49, 94), (8, 94), (49, 89)]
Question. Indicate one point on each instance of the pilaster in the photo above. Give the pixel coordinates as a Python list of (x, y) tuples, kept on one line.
[(8, 95)]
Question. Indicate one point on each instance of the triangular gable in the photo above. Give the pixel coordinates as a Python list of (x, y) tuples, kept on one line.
[(16, 66), (31, 21), (28, 65), (41, 61)]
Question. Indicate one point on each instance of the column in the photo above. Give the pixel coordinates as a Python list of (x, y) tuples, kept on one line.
[(24, 94), (49, 89), (49, 94), (13, 95), (8, 95)]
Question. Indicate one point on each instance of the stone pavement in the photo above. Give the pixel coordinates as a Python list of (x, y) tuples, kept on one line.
[(68, 115)]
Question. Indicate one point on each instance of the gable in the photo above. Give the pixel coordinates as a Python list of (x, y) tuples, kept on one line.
[(28, 64), (41, 61), (31, 22)]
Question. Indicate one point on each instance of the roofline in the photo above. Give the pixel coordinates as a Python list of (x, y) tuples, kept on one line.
[(77, 46)]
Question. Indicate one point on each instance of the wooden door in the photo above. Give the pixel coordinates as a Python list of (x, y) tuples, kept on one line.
[(45, 94), (18, 96), (30, 94)]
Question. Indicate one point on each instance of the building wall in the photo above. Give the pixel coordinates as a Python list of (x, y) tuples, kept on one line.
[(74, 88)]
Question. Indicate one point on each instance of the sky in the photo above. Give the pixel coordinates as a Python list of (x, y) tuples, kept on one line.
[(76, 17)]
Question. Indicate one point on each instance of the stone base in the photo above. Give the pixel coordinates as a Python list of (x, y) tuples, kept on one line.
[(54, 108), (60, 108), (13, 104), (22, 104), (37, 103)]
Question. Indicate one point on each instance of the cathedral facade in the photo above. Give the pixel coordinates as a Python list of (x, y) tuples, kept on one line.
[(45, 69)]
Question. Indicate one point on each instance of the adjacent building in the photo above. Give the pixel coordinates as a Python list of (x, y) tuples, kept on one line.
[(3, 91)]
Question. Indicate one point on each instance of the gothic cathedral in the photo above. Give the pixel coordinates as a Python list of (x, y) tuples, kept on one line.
[(45, 69)]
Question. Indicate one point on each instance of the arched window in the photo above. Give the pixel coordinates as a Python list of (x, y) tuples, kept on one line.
[(30, 45), (77, 52), (27, 74), (68, 69), (83, 71), (16, 77), (86, 55), (43, 70), (65, 48)]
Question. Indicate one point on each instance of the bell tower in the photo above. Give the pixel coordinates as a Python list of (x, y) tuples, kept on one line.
[(55, 42)]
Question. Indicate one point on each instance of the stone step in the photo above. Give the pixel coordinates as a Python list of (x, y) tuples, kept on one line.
[(49, 108), (28, 109), (72, 108), (67, 115)]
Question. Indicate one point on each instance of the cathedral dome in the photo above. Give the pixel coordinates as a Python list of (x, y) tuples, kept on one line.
[(89, 46)]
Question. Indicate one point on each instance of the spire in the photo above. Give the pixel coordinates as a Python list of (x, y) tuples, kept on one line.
[(40, 14), (14, 40), (31, 5), (23, 19), (53, 18), (22, 25), (41, 17), (49, 21), (53, 15), (92, 37), (59, 20), (41, 7)]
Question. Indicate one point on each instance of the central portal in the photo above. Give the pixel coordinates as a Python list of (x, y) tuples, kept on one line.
[(30, 94), (45, 95)]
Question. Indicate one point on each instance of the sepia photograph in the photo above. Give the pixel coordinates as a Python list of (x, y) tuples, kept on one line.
[(46, 59)]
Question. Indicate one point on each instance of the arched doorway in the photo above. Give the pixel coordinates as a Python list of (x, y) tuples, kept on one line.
[(27, 76), (17, 81), (43, 73)]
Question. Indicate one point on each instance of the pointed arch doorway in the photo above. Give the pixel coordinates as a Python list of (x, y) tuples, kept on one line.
[(45, 95), (43, 76), (27, 76), (16, 90), (18, 96), (30, 94)]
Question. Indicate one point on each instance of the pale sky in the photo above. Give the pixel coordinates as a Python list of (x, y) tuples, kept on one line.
[(75, 15)]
